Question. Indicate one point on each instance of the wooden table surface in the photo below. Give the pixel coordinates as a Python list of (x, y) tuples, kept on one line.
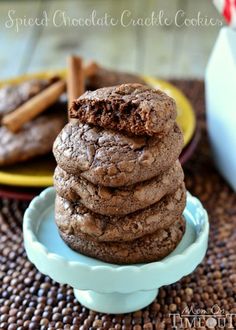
[(164, 51)]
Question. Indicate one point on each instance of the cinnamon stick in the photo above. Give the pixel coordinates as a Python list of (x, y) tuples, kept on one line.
[(90, 69), (75, 78), (37, 104), (34, 106)]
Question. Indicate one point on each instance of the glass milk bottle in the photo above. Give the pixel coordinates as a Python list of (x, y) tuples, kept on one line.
[(220, 84)]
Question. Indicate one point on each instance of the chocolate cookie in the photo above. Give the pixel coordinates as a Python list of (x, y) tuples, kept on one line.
[(117, 201), (112, 159), (13, 96), (145, 249), (35, 138), (129, 108), (106, 78), (74, 218)]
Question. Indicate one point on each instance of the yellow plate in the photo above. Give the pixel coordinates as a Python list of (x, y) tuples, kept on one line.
[(38, 172)]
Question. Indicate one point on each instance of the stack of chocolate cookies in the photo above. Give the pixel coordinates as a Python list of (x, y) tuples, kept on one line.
[(120, 190)]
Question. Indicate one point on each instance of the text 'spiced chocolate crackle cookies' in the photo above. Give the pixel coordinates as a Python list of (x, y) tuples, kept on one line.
[(120, 189)]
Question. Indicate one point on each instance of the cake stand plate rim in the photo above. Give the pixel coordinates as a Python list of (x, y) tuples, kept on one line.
[(157, 273)]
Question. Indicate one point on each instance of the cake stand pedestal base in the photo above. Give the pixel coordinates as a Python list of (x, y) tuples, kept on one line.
[(115, 303)]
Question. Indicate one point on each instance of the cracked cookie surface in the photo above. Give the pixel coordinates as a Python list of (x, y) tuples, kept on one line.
[(35, 138), (112, 159), (151, 247), (74, 218), (12, 96), (117, 201)]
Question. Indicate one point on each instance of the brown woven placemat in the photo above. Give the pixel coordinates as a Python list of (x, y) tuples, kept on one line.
[(30, 300)]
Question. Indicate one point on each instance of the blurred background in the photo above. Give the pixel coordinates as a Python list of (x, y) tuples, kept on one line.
[(166, 50)]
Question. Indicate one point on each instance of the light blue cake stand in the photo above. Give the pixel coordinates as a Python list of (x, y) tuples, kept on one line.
[(105, 287)]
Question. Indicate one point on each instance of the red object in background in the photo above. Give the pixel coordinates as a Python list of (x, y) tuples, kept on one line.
[(227, 8), (190, 148), (226, 11), (19, 193)]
